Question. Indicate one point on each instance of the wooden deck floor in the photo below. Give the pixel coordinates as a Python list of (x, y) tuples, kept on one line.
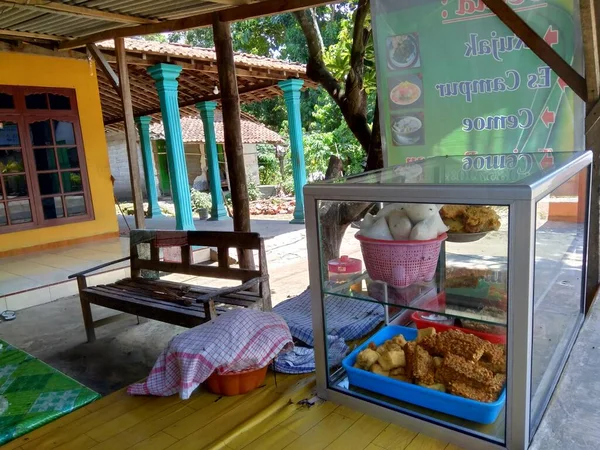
[(267, 418)]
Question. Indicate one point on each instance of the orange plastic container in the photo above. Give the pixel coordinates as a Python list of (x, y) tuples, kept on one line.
[(236, 383)]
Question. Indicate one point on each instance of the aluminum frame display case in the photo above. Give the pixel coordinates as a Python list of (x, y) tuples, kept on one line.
[(542, 263)]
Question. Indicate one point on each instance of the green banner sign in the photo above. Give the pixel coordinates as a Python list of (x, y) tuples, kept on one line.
[(454, 80)]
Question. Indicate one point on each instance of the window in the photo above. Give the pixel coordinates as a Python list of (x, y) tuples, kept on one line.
[(43, 179)]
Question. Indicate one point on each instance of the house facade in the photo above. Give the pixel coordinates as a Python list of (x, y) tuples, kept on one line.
[(253, 134), (54, 168)]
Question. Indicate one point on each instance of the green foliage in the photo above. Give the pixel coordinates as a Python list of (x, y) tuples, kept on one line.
[(318, 147), (200, 200), (326, 131), (288, 185), (253, 191), (268, 165), (337, 55)]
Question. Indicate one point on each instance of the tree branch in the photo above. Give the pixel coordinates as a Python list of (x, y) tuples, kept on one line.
[(357, 98), (374, 154), (353, 108)]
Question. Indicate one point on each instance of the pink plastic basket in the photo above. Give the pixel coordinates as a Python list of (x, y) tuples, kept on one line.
[(401, 263)]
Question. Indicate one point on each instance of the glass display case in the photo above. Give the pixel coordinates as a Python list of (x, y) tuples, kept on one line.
[(504, 288)]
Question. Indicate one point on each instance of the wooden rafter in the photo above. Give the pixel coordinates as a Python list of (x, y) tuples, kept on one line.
[(105, 67), (265, 8), (27, 35), (79, 11), (233, 2), (540, 47), (149, 59), (202, 98)]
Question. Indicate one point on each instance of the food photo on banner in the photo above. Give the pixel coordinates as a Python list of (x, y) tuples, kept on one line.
[(454, 80)]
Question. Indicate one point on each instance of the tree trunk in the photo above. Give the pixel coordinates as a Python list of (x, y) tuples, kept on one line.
[(234, 149)]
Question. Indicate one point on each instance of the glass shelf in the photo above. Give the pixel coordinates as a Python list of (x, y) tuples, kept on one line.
[(417, 297)]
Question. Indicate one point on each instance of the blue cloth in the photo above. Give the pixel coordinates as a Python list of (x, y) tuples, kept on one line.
[(346, 320)]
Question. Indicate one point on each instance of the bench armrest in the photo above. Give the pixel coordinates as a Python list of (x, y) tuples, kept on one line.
[(101, 266)]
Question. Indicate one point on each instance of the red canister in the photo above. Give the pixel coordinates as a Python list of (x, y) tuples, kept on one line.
[(343, 269)]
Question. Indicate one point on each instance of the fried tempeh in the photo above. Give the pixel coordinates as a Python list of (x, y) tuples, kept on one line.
[(455, 342), (423, 366), (456, 369), (494, 358)]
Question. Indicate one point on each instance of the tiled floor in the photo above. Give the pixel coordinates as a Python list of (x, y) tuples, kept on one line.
[(20, 274)]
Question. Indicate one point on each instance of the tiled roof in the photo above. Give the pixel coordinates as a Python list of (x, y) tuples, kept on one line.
[(192, 129), (204, 54)]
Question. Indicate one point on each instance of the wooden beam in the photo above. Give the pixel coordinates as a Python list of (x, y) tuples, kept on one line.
[(265, 8), (232, 2), (27, 35), (105, 67), (589, 29), (538, 46), (204, 66), (79, 11), (205, 98), (232, 130), (130, 137)]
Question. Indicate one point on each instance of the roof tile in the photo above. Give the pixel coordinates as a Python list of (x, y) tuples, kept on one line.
[(192, 129)]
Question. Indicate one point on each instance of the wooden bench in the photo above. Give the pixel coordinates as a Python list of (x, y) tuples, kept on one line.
[(144, 294)]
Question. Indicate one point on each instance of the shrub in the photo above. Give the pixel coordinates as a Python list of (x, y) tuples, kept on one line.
[(288, 186), (200, 200), (268, 165), (253, 191)]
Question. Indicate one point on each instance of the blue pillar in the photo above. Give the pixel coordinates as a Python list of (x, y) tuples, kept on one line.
[(207, 113), (165, 78), (143, 124), (291, 94)]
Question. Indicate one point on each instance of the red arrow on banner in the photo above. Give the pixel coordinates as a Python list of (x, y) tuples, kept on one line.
[(551, 36), (562, 84), (548, 117), (548, 159)]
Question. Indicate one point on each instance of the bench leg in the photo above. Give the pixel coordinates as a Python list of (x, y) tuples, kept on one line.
[(88, 321), (86, 311)]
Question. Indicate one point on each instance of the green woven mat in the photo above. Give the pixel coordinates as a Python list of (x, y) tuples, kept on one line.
[(32, 393)]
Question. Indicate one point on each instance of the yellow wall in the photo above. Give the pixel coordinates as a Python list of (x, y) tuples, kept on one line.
[(19, 69)]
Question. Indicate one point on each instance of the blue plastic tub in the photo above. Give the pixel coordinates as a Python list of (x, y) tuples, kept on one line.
[(465, 408)]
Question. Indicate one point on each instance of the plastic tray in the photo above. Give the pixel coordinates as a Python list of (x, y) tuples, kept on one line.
[(421, 322), (454, 405)]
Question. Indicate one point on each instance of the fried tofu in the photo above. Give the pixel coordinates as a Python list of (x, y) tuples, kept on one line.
[(376, 368), (436, 387), (398, 371), (424, 333), (367, 358), (392, 359)]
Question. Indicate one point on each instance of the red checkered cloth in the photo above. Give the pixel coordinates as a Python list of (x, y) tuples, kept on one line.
[(238, 340)]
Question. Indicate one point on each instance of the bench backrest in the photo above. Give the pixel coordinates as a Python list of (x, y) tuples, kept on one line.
[(146, 254)]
